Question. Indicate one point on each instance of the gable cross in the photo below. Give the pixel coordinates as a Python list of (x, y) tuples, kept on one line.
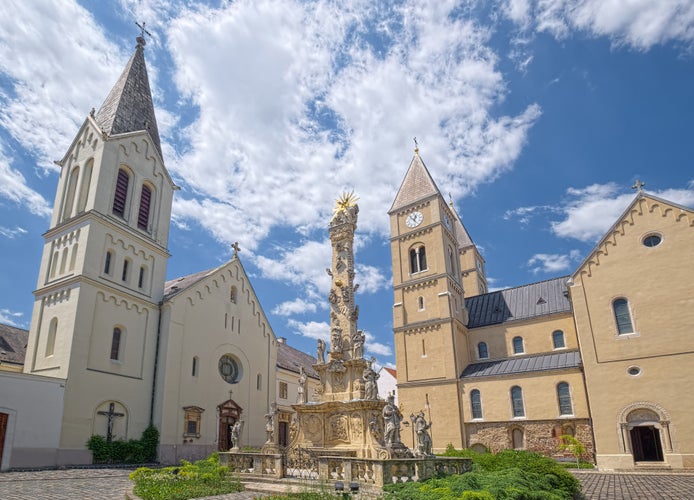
[(110, 415), (638, 185), (236, 248)]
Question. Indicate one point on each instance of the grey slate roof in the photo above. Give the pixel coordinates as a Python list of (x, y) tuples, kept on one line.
[(13, 344), (292, 359), (177, 285), (416, 185), (522, 302), (524, 364), (129, 107)]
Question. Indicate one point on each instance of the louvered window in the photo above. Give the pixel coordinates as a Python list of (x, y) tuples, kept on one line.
[(143, 214), (121, 195)]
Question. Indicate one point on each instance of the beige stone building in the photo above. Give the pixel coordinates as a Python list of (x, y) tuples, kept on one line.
[(116, 346), (602, 355)]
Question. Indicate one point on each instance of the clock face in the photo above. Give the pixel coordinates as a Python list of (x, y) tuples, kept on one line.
[(447, 221), (414, 219)]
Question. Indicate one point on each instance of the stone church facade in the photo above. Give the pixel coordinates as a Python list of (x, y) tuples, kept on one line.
[(603, 354)]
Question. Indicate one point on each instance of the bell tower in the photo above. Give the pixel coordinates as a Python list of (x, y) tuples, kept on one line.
[(101, 279), (429, 314)]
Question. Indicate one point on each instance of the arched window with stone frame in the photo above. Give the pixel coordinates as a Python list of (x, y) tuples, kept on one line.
[(418, 259), (517, 405), (564, 399), (69, 201), (117, 342), (50, 338), (146, 204), (120, 195), (476, 403), (622, 315), (482, 350)]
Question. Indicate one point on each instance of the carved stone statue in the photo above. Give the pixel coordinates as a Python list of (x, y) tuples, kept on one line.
[(301, 392), (421, 428), (270, 422), (320, 351), (336, 340), (358, 343), (370, 383), (236, 434), (391, 419)]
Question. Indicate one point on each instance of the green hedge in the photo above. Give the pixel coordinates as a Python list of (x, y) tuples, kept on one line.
[(135, 451)]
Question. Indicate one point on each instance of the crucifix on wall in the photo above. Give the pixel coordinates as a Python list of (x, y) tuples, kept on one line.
[(110, 415)]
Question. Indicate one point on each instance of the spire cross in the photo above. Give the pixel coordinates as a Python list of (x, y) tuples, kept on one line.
[(416, 145), (143, 32), (236, 247), (638, 185)]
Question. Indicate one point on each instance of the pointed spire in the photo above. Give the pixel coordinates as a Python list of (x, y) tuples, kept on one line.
[(129, 106), (416, 185)]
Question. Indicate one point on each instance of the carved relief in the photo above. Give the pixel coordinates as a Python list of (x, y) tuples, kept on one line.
[(338, 428), (357, 426), (313, 427)]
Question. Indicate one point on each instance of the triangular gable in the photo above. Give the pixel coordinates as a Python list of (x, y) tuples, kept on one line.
[(416, 185), (608, 239)]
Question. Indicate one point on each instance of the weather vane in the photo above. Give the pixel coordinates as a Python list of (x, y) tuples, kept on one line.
[(638, 185), (143, 32)]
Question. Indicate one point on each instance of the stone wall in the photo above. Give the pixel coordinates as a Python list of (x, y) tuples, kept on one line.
[(541, 436)]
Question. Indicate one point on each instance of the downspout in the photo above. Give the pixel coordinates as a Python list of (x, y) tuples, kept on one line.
[(156, 363)]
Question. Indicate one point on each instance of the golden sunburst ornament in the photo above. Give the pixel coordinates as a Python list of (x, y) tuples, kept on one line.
[(345, 201)]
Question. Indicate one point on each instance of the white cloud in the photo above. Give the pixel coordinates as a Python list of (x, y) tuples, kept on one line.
[(11, 233), (638, 23), (13, 186), (11, 318), (552, 263), (311, 329), (377, 348), (297, 306)]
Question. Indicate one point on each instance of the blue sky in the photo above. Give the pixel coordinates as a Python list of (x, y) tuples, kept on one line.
[(536, 116)]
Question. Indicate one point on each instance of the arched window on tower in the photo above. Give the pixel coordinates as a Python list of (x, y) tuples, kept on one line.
[(482, 351), (418, 259), (145, 203), (50, 339), (120, 197), (518, 345), (558, 339), (564, 396), (451, 258), (107, 262), (622, 316), (420, 303), (70, 193), (84, 186), (116, 341)]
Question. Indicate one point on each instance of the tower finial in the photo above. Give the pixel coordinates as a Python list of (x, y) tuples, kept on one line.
[(450, 199), (141, 39), (416, 146), (638, 185)]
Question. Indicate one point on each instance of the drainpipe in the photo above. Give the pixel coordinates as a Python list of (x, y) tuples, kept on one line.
[(156, 364)]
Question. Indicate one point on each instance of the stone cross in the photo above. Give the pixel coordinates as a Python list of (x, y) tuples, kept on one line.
[(236, 247), (110, 415), (638, 185)]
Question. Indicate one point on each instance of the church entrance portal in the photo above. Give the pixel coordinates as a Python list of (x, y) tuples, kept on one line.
[(645, 444), (228, 413)]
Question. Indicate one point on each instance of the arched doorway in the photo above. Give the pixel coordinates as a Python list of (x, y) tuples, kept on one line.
[(227, 414), (645, 432)]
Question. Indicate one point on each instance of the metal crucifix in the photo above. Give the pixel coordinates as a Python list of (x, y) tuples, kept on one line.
[(110, 415)]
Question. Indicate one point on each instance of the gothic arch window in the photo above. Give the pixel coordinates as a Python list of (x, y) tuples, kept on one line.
[(418, 259), (63, 261), (117, 338), (70, 193), (517, 401), (50, 339), (518, 345), (120, 197), (196, 363), (107, 262), (146, 201), (451, 258), (622, 316), (232, 294), (476, 403), (84, 186), (420, 303), (54, 264), (482, 351), (558, 339), (564, 397)]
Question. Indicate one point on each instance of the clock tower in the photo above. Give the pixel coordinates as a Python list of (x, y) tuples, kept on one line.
[(429, 314)]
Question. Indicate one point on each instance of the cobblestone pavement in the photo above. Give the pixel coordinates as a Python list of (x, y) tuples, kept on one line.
[(636, 486), (113, 484)]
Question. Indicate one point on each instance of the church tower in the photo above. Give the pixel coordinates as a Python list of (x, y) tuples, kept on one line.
[(102, 273), (429, 314)]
